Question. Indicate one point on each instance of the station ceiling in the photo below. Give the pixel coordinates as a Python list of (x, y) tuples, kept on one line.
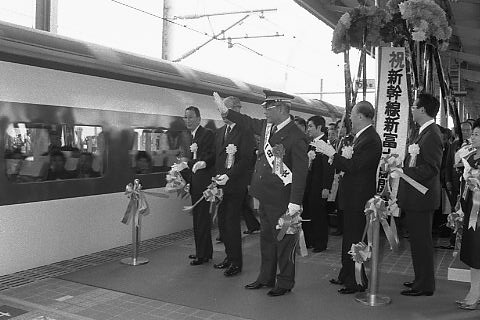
[(463, 53)]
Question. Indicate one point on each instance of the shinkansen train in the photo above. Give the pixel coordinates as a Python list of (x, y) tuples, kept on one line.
[(80, 121)]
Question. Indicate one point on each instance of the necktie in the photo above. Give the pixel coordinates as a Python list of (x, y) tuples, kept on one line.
[(272, 132), (227, 132)]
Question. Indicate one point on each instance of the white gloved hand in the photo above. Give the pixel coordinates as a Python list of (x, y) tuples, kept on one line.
[(179, 166), (293, 209), (220, 105), (222, 179), (325, 193), (323, 147), (199, 165), (395, 173)]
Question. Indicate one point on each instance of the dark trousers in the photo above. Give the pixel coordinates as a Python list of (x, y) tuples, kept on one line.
[(276, 253), (353, 226), (316, 230), (247, 212), (202, 228), (229, 226), (419, 224)]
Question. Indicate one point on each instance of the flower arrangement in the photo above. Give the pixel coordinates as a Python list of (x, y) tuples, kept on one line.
[(231, 149), (347, 152), (311, 156), (175, 181), (351, 27), (414, 151), (194, 149), (426, 21)]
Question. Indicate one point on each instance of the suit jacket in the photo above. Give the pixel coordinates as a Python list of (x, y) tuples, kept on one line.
[(359, 182), (320, 174), (266, 186), (205, 140), (238, 173), (426, 171)]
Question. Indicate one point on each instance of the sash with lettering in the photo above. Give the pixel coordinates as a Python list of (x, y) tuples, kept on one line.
[(284, 173)]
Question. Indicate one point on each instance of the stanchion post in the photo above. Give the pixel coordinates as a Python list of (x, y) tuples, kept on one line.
[(371, 297), (135, 260)]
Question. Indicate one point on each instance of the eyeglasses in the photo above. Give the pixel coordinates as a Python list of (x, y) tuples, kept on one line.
[(414, 107)]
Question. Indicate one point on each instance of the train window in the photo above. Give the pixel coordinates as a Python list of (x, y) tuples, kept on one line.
[(156, 149), (40, 152)]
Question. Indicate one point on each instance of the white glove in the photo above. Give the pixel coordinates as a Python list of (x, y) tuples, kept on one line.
[(199, 165), (222, 179), (325, 193), (293, 208), (220, 105), (323, 147), (179, 166), (395, 173)]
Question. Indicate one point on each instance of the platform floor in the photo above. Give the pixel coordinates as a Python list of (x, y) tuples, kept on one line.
[(41, 295)]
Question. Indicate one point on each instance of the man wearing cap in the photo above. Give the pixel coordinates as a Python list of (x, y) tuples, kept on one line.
[(234, 153), (278, 191)]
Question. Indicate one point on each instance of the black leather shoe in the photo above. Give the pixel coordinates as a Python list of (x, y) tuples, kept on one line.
[(232, 271), (192, 256), (198, 261), (351, 290), (222, 265), (416, 293), (336, 281), (256, 285), (275, 292), (408, 284), (319, 249), (251, 231)]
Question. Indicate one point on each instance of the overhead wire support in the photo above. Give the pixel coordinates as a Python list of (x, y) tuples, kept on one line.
[(198, 16), (214, 37), (254, 37)]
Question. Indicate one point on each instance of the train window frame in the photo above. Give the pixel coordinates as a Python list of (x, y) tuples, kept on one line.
[(167, 157), (92, 152)]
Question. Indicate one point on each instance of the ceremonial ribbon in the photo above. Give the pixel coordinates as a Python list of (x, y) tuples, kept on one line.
[(360, 253), (292, 224), (138, 204), (284, 174), (211, 194)]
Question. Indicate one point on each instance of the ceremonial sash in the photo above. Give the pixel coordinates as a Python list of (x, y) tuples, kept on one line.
[(285, 175)]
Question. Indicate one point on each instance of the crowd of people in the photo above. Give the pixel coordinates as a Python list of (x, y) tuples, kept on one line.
[(311, 168)]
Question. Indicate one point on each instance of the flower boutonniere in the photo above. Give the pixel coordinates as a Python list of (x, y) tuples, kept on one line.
[(311, 156), (414, 151), (230, 149), (347, 152), (193, 149)]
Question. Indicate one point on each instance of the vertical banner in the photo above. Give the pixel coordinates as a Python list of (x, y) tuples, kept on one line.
[(392, 109)]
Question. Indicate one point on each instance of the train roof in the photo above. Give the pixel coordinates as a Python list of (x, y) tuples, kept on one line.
[(43, 49)]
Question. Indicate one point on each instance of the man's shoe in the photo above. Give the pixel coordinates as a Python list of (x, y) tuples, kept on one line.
[(415, 293), (351, 290), (256, 285), (275, 292), (192, 256), (319, 249), (336, 281), (232, 271), (251, 231), (198, 261), (222, 265), (408, 284)]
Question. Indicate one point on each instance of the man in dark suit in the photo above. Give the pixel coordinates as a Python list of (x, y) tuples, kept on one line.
[(357, 186), (231, 175), (201, 164), (278, 193), (424, 167), (319, 182)]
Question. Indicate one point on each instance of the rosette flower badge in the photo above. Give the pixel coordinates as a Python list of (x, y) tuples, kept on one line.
[(414, 151), (347, 152), (311, 156), (231, 149), (194, 149)]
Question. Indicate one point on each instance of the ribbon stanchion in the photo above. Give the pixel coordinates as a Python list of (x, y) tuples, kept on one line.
[(137, 207)]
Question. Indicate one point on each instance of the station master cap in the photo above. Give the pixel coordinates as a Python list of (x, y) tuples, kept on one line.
[(275, 96)]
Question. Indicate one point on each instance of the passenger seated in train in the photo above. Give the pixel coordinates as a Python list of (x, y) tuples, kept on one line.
[(143, 162), (84, 166), (57, 169)]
